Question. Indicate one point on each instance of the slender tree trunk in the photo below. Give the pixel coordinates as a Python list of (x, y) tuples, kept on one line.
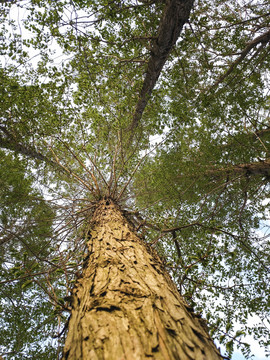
[(125, 305)]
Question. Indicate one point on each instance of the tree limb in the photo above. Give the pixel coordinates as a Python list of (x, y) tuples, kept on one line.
[(262, 39), (255, 168), (175, 15), (8, 141)]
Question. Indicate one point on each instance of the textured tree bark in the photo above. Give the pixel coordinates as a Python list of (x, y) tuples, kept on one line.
[(125, 305)]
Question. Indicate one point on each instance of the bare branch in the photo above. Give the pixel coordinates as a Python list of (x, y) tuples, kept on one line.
[(70, 172)]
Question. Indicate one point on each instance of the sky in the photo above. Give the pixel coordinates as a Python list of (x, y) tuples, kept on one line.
[(239, 356), (256, 350)]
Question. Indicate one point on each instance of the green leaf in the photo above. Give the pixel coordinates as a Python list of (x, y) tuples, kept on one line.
[(27, 284)]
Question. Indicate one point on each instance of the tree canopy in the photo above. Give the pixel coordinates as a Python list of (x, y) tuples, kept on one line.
[(162, 106)]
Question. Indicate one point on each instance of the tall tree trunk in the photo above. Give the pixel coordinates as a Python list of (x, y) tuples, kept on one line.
[(125, 305)]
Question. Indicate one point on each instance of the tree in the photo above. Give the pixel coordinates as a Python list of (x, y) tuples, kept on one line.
[(97, 214)]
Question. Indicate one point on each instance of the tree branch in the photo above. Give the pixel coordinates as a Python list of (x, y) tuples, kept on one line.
[(9, 142), (175, 15), (256, 168), (262, 39)]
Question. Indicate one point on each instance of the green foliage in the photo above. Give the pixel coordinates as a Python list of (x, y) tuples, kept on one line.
[(27, 324), (196, 167)]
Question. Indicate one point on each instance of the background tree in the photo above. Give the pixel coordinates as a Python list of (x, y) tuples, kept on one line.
[(120, 100)]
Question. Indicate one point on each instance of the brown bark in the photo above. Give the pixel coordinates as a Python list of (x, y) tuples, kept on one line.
[(125, 305), (175, 15), (257, 168)]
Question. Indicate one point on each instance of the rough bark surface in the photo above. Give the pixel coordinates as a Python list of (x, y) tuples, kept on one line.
[(125, 305)]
